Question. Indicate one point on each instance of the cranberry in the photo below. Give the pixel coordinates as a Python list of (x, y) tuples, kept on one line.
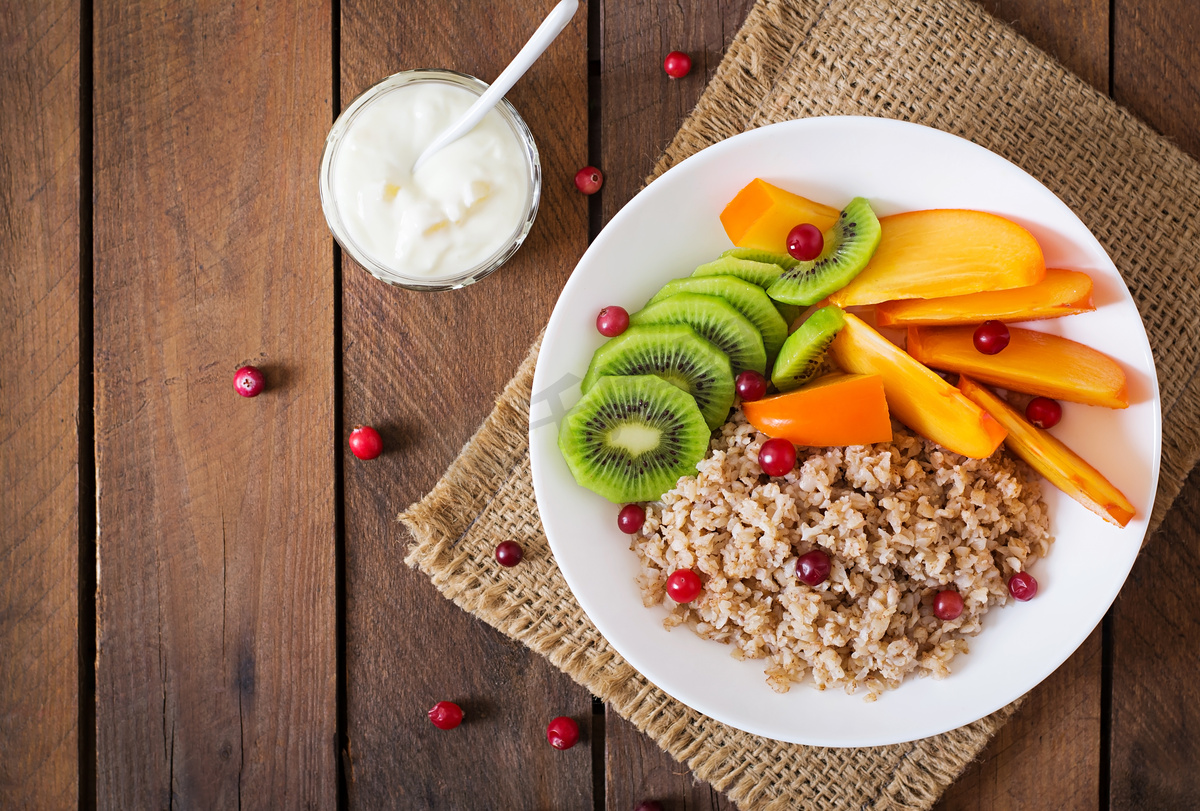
[(612, 321), (1022, 586), (649, 805), (1043, 412), (509, 553), (813, 567), (677, 64), (249, 381), (751, 385), (631, 518), (365, 442), (805, 242), (991, 337), (589, 179), (777, 457), (948, 605), (562, 732), (684, 585), (446, 715)]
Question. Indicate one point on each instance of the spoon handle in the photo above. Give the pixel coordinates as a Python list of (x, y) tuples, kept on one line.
[(546, 33)]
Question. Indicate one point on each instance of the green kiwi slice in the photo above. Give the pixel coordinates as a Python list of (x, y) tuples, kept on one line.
[(679, 356), (631, 438), (759, 255), (802, 352), (748, 299), (713, 320), (762, 274), (849, 245)]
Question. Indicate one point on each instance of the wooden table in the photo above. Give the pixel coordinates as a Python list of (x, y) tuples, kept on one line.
[(203, 602)]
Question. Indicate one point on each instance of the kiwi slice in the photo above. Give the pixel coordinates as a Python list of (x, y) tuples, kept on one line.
[(748, 299), (631, 438), (849, 245), (802, 352), (762, 274), (713, 320), (759, 255), (678, 355)]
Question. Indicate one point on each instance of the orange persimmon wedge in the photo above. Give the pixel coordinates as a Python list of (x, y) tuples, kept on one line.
[(1060, 292), (1033, 363), (838, 409), (916, 395), (761, 215), (1054, 460), (945, 252)]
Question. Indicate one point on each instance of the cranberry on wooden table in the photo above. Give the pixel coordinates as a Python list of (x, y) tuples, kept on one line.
[(649, 805), (509, 553), (589, 179), (991, 337), (777, 457), (751, 385), (677, 64), (805, 242), (446, 715), (562, 732), (248, 381), (612, 321), (631, 518), (684, 585), (365, 442)]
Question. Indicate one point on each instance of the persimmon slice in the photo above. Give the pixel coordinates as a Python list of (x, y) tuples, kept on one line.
[(916, 395), (838, 409), (945, 252), (761, 215), (1033, 363), (1060, 292), (1054, 460)]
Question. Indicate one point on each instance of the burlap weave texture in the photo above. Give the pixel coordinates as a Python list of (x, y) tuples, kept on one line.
[(948, 65)]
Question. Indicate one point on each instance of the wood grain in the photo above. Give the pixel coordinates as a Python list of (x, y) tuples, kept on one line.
[(1048, 755), (641, 108), (216, 538), (425, 368), (1155, 698), (39, 404)]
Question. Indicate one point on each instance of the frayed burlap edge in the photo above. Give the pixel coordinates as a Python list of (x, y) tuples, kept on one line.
[(533, 605)]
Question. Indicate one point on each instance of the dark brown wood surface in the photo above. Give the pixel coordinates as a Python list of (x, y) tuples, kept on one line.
[(216, 675), (39, 403), (259, 638)]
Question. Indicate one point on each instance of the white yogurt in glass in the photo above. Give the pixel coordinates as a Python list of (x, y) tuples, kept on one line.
[(457, 219)]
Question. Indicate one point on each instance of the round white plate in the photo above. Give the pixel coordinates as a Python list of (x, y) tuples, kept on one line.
[(670, 228)]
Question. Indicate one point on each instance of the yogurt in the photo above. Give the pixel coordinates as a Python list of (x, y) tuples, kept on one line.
[(468, 201)]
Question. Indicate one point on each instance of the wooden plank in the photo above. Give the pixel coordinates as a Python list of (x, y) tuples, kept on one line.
[(425, 368), (39, 403), (1155, 742), (1048, 755), (641, 108), (216, 670)]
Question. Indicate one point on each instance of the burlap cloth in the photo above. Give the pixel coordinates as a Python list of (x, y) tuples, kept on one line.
[(948, 65)]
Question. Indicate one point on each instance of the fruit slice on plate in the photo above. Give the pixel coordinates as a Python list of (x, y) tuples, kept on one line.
[(916, 395), (1060, 292), (784, 260), (713, 320), (761, 215), (1033, 363), (945, 252), (748, 299), (762, 274), (804, 349), (837, 409), (1054, 460), (679, 356), (849, 245), (631, 438)]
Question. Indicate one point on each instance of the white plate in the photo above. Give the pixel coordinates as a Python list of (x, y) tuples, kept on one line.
[(673, 226)]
